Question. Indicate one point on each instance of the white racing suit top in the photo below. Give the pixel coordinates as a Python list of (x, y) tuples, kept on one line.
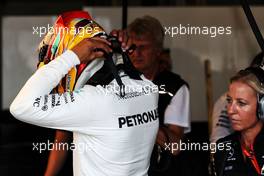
[(113, 135)]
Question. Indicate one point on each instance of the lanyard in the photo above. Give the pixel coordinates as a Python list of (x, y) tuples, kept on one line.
[(251, 155)]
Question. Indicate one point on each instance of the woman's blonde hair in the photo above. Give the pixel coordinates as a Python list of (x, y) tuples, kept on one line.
[(248, 77)]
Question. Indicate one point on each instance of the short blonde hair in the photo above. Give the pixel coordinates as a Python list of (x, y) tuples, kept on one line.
[(248, 77)]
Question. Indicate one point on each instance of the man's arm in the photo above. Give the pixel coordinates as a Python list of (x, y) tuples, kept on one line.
[(221, 126), (174, 134), (35, 105), (57, 156), (176, 120)]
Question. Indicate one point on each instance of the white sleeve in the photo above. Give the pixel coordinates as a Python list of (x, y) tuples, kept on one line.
[(34, 104), (178, 111), (221, 126)]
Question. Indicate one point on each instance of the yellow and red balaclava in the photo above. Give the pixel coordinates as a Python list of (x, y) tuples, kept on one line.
[(69, 29)]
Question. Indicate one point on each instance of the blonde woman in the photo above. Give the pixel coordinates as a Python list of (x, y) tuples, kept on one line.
[(244, 154)]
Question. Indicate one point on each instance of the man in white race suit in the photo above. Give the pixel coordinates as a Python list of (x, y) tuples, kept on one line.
[(113, 134)]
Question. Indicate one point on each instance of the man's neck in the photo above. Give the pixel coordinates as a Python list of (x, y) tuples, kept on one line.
[(151, 73)]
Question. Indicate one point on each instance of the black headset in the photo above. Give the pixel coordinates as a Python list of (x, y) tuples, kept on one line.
[(260, 107), (256, 68), (258, 71)]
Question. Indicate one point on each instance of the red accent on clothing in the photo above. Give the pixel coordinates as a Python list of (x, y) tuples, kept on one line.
[(80, 69), (251, 155)]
